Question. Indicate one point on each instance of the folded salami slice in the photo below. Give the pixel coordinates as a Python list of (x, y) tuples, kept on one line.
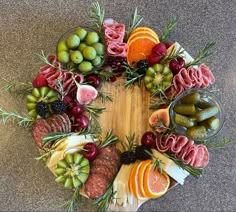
[(117, 49)]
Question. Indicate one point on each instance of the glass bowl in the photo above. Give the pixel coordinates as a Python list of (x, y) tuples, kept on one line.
[(74, 67), (210, 100)]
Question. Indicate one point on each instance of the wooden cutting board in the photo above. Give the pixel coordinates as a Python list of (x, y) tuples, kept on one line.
[(127, 114)]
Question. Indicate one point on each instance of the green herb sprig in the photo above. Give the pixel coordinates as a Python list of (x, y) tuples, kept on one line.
[(215, 144), (205, 52), (157, 163), (136, 20), (76, 198), (96, 15), (195, 172), (104, 96), (173, 55), (155, 103), (110, 139), (132, 76), (44, 58), (16, 84), (15, 117), (105, 75), (168, 29)]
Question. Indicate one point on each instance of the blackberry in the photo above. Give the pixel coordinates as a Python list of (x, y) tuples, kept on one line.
[(42, 109), (142, 66), (127, 157), (141, 154), (58, 107)]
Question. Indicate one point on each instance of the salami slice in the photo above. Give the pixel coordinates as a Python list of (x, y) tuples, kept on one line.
[(96, 185), (202, 156), (67, 122)]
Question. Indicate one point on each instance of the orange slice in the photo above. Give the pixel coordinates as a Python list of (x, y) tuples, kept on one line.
[(139, 48), (155, 184), (133, 182), (143, 34), (142, 170), (142, 29)]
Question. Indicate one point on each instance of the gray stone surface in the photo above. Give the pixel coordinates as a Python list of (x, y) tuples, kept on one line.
[(28, 26)]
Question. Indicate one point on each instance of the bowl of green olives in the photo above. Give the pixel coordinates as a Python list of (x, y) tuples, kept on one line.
[(197, 113), (81, 49)]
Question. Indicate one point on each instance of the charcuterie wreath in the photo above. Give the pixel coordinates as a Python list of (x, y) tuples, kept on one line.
[(67, 98)]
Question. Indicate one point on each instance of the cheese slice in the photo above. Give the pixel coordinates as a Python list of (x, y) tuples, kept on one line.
[(171, 168)]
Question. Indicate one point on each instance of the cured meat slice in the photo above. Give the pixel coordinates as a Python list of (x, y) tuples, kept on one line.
[(117, 49), (104, 170), (112, 36), (96, 185), (202, 156), (40, 130), (58, 123), (66, 122), (108, 22), (110, 151), (181, 142)]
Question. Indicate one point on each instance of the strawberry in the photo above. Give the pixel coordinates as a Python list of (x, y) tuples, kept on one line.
[(39, 81)]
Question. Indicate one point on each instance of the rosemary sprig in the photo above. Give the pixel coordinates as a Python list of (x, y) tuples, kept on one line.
[(156, 103), (132, 76), (214, 144), (44, 58), (45, 156), (103, 201), (109, 139), (104, 96), (159, 124), (16, 84), (96, 15), (173, 55), (136, 20), (21, 121), (105, 75), (205, 52), (55, 136), (76, 197), (195, 172), (157, 164), (168, 29)]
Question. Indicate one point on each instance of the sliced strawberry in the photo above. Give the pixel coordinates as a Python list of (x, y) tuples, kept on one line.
[(39, 81)]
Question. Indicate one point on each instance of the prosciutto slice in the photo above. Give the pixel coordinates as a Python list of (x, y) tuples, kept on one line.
[(54, 73), (114, 36), (184, 148)]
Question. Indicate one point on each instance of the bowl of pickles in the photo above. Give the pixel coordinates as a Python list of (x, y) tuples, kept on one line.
[(197, 113)]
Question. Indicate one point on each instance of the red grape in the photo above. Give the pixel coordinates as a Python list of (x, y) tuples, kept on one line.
[(168, 44), (91, 151), (176, 64), (94, 80), (81, 121), (153, 59), (77, 109), (148, 139), (159, 49)]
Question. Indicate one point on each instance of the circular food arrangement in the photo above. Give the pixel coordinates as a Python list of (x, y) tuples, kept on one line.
[(65, 101)]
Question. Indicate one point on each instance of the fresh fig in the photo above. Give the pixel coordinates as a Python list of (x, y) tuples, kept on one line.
[(159, 118), (86, 94)]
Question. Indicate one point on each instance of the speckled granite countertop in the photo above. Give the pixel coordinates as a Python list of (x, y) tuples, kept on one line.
[(28, 26)]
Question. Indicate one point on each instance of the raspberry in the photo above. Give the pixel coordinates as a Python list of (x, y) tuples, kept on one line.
[(39, 81)]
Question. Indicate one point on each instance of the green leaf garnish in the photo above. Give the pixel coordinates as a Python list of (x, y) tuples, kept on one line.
[(109, 139), (44, 58), (157, 163), (168, 29), (16, 84), (104, 96)]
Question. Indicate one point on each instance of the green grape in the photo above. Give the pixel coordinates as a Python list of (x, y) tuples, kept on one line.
[(76, 57), (96, 61), (82, 46), (99, 47), (63, 57), (62, 46), (92, 37), (73, 41), (81, 33), (85, 66), (89, 53)]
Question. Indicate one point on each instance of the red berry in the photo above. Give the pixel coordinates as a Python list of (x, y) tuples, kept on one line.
[(77, 109), (81, 121), (153, 59), (176, 64), (159, 49), (149, 139), (113, 78), (91, 151), (39, 81), (94, 80), (168, 44)]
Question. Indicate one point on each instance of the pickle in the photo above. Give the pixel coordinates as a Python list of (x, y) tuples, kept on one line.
[(192, 98), (206, 113), (203, 104), (185, 109), (183, 120), (213, 123), (196, 132)]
